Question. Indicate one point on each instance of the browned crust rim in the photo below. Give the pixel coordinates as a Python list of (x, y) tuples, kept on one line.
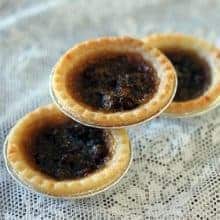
[(95, 182), (208, 51), (72, 57)]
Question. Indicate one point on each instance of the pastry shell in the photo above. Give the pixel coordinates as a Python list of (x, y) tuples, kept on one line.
[(82, 113), (24, 170), (207, 51)]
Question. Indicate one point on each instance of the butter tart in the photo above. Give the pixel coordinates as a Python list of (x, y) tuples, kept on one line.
[(197, 64), (113, 82), (57, 156)]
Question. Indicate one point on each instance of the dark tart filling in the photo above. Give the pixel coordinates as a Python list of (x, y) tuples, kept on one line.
[(193, 73), (71, 150), (115, 82)]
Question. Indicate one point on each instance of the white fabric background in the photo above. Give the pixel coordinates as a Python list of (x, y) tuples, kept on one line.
[(176, 168)]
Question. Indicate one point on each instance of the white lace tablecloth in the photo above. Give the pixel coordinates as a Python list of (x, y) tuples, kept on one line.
[(175, 173)]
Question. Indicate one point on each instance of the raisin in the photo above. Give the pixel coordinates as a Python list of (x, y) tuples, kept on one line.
[(70, 150), (193, 73), (109, 83)]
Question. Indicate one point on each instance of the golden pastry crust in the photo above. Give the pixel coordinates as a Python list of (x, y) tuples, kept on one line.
[(27, 172), (208, 51), (72, 60)]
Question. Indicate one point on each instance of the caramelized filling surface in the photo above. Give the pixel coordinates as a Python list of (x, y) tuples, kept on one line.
[(193, 73), (71, 150), (115, 82)]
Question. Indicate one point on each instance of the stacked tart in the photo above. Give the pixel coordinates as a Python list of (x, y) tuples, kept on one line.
[(113, 82), (77, 147)]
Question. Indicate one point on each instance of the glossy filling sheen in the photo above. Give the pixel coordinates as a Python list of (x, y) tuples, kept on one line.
[(71, 150), (193, 73), (116, 82)]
